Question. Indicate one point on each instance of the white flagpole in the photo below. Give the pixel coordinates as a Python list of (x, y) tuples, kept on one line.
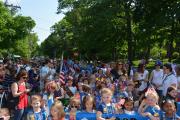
[(62, 57)]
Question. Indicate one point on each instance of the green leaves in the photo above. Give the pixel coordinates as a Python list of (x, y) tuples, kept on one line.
[(107, 29), (15, 32)]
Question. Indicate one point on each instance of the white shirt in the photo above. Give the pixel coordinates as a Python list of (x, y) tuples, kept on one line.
[(44, 71), (129, 112), (157, 78), (178, 80), (168, 80), (52, 73), (143, 76)]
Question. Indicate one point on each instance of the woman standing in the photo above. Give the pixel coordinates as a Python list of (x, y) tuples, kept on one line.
[(117, 71), (169, 78), (19, 90), (141, 78), (177, 68), (156, 77)]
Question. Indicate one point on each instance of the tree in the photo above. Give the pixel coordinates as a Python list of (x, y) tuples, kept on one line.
[(15, 30), (106, 29)]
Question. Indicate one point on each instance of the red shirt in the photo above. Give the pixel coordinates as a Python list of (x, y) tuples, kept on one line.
[(23, 98)]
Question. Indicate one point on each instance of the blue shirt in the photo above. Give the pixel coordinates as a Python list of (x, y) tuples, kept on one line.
[(109, 109), (175, 117), (153, 110), (31, 115)]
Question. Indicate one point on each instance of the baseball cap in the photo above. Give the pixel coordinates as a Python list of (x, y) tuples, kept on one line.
[(158, 63)]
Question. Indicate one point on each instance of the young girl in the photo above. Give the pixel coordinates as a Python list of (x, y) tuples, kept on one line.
[(89, 104), (59, 92), (74, 107), (70, 89), (149, 107), (171, 93), (57, 111), (131, 90), (36, 113), (106, 107), (121, 92), (128, 106), (48, 95), (170, 110)]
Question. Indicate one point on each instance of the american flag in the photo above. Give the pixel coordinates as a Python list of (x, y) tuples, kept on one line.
[(61, 78), (150, 90)]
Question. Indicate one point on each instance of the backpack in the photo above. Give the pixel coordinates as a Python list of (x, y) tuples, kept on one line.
[(12, 101)]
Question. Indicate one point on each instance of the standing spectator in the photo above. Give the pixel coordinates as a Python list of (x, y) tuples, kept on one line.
[(52, 72), (44, 73), (177, 68), (141, 78), (169, 78), (19, 90), (117, 71), (26, 65), (156, 77), (34, 78)]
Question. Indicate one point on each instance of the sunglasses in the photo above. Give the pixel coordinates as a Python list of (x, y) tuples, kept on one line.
[(74, 106), (24, 77)]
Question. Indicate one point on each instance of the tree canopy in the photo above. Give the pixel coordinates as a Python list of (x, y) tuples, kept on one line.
[(119, 29), (16, 33)]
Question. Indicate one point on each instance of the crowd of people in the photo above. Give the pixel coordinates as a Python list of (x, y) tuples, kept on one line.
[(53, 90)]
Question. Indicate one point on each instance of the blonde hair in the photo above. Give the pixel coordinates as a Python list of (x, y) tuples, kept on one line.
[(106, 91), (50, 85), (4, 112), (75, 101), (153, 95), (58, 105)]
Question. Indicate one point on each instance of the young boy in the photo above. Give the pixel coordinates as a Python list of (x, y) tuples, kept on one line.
[(36, 113)]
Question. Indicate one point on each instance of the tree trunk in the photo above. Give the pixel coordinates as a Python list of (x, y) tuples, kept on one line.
[(148, 53), (129, 36)]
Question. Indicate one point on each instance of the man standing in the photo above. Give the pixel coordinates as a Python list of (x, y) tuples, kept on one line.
[(44, 73), (169, 78)]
